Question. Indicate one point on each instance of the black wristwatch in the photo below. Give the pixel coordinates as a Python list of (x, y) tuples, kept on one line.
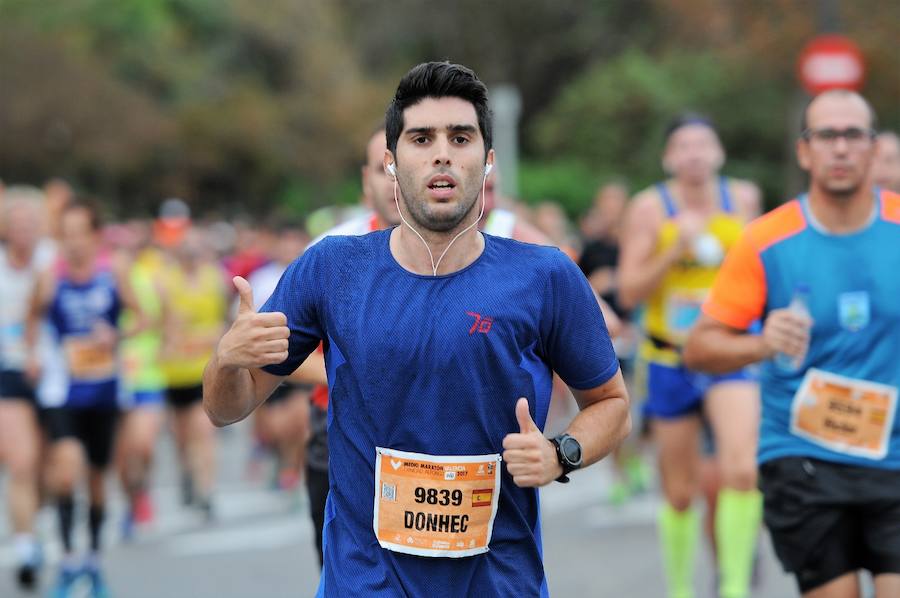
[(568, 452)]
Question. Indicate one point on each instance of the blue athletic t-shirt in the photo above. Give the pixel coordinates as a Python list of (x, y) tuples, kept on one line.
[(435, 365)]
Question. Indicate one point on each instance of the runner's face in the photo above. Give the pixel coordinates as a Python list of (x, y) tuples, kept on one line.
[(440, 162), (290, 245), (693, 153), (78, 239), (378, 187), (838, 167), (23, 227)]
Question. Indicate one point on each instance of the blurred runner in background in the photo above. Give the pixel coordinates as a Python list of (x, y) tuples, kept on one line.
[(143, 377), (194, 304), (24, 256), (886, 167), (82, 296), (676, 235)]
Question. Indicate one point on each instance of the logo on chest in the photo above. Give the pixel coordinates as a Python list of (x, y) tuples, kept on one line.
[(481, 324), (853, 309)]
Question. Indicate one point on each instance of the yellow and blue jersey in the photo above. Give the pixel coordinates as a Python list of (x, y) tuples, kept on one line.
[(674, 305)]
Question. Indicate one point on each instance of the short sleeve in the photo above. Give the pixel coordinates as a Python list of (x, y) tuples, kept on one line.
[(574, 333), (738, 295), (297, 295)]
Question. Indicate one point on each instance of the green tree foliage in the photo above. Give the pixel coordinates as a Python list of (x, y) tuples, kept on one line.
[(611, 120), (240, 105)]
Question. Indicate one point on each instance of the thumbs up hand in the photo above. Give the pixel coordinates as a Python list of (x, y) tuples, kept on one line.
[(530, 458), (254, 339)]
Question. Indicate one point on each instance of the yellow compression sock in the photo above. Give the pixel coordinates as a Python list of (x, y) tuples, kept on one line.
[(738, 515), (678, 533)]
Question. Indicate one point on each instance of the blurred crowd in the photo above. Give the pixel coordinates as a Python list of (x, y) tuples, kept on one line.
[(173, 297)]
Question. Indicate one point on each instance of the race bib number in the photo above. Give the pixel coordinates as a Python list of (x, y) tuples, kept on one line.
[(435, 506), (682, 310), (850, 416), (89, 361)]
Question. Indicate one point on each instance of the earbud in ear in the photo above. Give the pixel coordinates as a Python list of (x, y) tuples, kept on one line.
[(392, 170), (488, 168)]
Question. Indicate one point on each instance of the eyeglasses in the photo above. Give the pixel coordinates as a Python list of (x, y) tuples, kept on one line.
[(827, 136)]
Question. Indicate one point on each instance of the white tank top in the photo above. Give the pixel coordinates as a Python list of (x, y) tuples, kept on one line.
[(16, 286)]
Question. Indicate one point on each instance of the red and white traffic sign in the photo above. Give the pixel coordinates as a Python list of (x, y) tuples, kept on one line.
[(830, 62)]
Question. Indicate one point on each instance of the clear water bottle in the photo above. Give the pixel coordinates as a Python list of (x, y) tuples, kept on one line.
[(799, 305)]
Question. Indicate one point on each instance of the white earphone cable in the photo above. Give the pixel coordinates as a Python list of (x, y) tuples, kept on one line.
[(435, 266)]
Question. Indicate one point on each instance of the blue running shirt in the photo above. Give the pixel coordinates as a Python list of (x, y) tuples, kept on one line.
[(435, 365)]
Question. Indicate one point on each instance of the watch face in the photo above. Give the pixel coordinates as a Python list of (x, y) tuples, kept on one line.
[(571, 450)]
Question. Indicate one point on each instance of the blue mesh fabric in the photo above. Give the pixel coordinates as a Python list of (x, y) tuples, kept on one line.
[(411, 369)]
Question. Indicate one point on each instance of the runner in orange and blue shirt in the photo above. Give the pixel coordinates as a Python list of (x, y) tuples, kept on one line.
[(822, 271)]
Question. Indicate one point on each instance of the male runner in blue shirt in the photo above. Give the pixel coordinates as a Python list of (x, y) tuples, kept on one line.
[(440, 345)]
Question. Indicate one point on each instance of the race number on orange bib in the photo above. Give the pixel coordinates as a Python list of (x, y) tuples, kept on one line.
[(850, 416), (89, 361), (434, 505)]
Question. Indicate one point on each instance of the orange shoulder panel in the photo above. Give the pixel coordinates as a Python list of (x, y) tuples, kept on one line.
[(890, 206), (784, 221), (738, 295)]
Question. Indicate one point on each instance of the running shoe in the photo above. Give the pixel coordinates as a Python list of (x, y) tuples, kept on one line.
[(99, 589), (68, 577), (27, 576)]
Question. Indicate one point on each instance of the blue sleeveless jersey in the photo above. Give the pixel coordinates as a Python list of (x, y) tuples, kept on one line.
[(74, 310), (435, 365)]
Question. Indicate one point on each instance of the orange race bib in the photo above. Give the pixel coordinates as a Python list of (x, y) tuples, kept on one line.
[(850, 416), (89, 361), (435, 506)]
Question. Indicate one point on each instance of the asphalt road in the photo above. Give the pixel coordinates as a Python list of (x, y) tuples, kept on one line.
[(261, 542)]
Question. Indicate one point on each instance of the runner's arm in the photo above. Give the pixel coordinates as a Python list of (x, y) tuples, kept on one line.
[(640, 271), (130, 300), (604, 419), (37, 308), (613, 323), (233, 383), (747, 199), (311, 371), (717, 348), (231, 393)]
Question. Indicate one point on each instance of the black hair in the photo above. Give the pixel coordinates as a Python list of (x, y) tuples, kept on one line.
[(873, 118), (689, 118), (438, 80)]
